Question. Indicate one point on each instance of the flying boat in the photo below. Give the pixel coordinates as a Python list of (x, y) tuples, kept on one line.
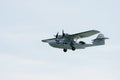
[(69, 41)]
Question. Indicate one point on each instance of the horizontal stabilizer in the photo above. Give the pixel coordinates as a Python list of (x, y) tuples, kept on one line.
[(101, 36)]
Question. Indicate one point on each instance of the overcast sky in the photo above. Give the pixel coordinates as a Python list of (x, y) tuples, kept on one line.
[(24, 23)]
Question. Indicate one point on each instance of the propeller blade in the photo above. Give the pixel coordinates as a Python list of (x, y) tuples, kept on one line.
[(57, 35), (63, 34)]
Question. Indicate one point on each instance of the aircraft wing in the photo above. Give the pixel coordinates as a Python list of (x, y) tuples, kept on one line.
[(84, 34), (48, 40)]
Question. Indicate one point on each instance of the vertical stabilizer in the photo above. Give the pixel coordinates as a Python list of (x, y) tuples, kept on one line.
[(100, 40)]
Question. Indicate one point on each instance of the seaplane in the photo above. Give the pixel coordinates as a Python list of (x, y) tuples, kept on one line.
[(69, 41)]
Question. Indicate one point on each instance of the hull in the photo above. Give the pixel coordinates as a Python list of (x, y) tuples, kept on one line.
[(67, 45)]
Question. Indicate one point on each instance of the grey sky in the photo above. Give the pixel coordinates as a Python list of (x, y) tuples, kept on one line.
[(24, 23)]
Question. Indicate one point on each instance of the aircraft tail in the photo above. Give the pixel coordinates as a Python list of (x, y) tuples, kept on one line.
[(100, 40)]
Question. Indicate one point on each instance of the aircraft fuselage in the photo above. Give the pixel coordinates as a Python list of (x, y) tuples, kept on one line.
[(65, 45)]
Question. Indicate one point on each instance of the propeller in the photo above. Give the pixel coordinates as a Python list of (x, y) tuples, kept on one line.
[(57, 35), (63, 34)]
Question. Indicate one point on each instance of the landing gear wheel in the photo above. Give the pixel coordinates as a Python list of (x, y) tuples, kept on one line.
[(73, 48), (65, 50)]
